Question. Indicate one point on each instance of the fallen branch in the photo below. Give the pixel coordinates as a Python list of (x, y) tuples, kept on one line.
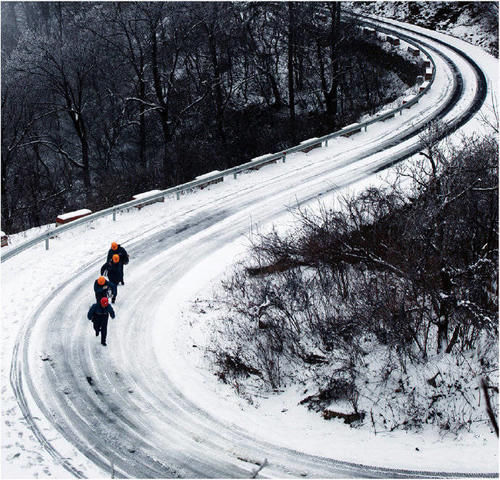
[(491, 414)]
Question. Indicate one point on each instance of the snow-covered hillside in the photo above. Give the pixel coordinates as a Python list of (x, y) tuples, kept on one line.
[(474, 22)]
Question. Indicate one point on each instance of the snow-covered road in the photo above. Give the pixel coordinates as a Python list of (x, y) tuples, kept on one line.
[(138, 407)]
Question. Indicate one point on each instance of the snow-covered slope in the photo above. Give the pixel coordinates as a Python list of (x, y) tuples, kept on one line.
[(474, 22)]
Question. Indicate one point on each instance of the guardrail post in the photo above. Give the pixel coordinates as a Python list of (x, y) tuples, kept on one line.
[(178, 195), (284, 157), (47, 243), (235, 175), (366, 128), (114, 215)]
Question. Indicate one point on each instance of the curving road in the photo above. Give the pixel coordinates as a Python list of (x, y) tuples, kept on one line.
[(118, 406)]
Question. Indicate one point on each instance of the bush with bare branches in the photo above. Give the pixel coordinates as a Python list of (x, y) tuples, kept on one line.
[(390, 297)]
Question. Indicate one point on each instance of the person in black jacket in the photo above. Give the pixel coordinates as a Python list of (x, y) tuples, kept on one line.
[(104, 288), (99, 313), (117, 249), (114, 273)]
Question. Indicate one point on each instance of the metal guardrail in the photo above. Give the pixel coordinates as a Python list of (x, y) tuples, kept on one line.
[(252, 164)]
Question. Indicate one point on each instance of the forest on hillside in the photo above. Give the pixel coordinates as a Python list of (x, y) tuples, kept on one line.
[(101, 101)]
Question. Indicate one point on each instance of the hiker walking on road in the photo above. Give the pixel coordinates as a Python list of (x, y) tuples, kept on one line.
[(117, 249), (98, 314), (104, 288), (114, 273)]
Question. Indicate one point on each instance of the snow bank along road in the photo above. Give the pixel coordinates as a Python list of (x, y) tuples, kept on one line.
[(119, 406)]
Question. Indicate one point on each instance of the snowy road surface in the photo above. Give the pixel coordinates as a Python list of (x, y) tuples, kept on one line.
[(138, 407)]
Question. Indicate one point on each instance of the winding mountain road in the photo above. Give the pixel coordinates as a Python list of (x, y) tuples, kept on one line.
[(118, 406)]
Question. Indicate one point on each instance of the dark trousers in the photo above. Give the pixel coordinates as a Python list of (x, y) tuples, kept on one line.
[(101, 324)]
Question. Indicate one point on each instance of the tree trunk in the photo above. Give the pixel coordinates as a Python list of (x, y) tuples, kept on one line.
[(454, 339), (444, 312), (219, 108), (84, 146), (276, 92), (169, 175), (291, 87), (332, 95), (142, 126), (322, 75), (86, 166), (76, 117), (36, 185), (217, 87)]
